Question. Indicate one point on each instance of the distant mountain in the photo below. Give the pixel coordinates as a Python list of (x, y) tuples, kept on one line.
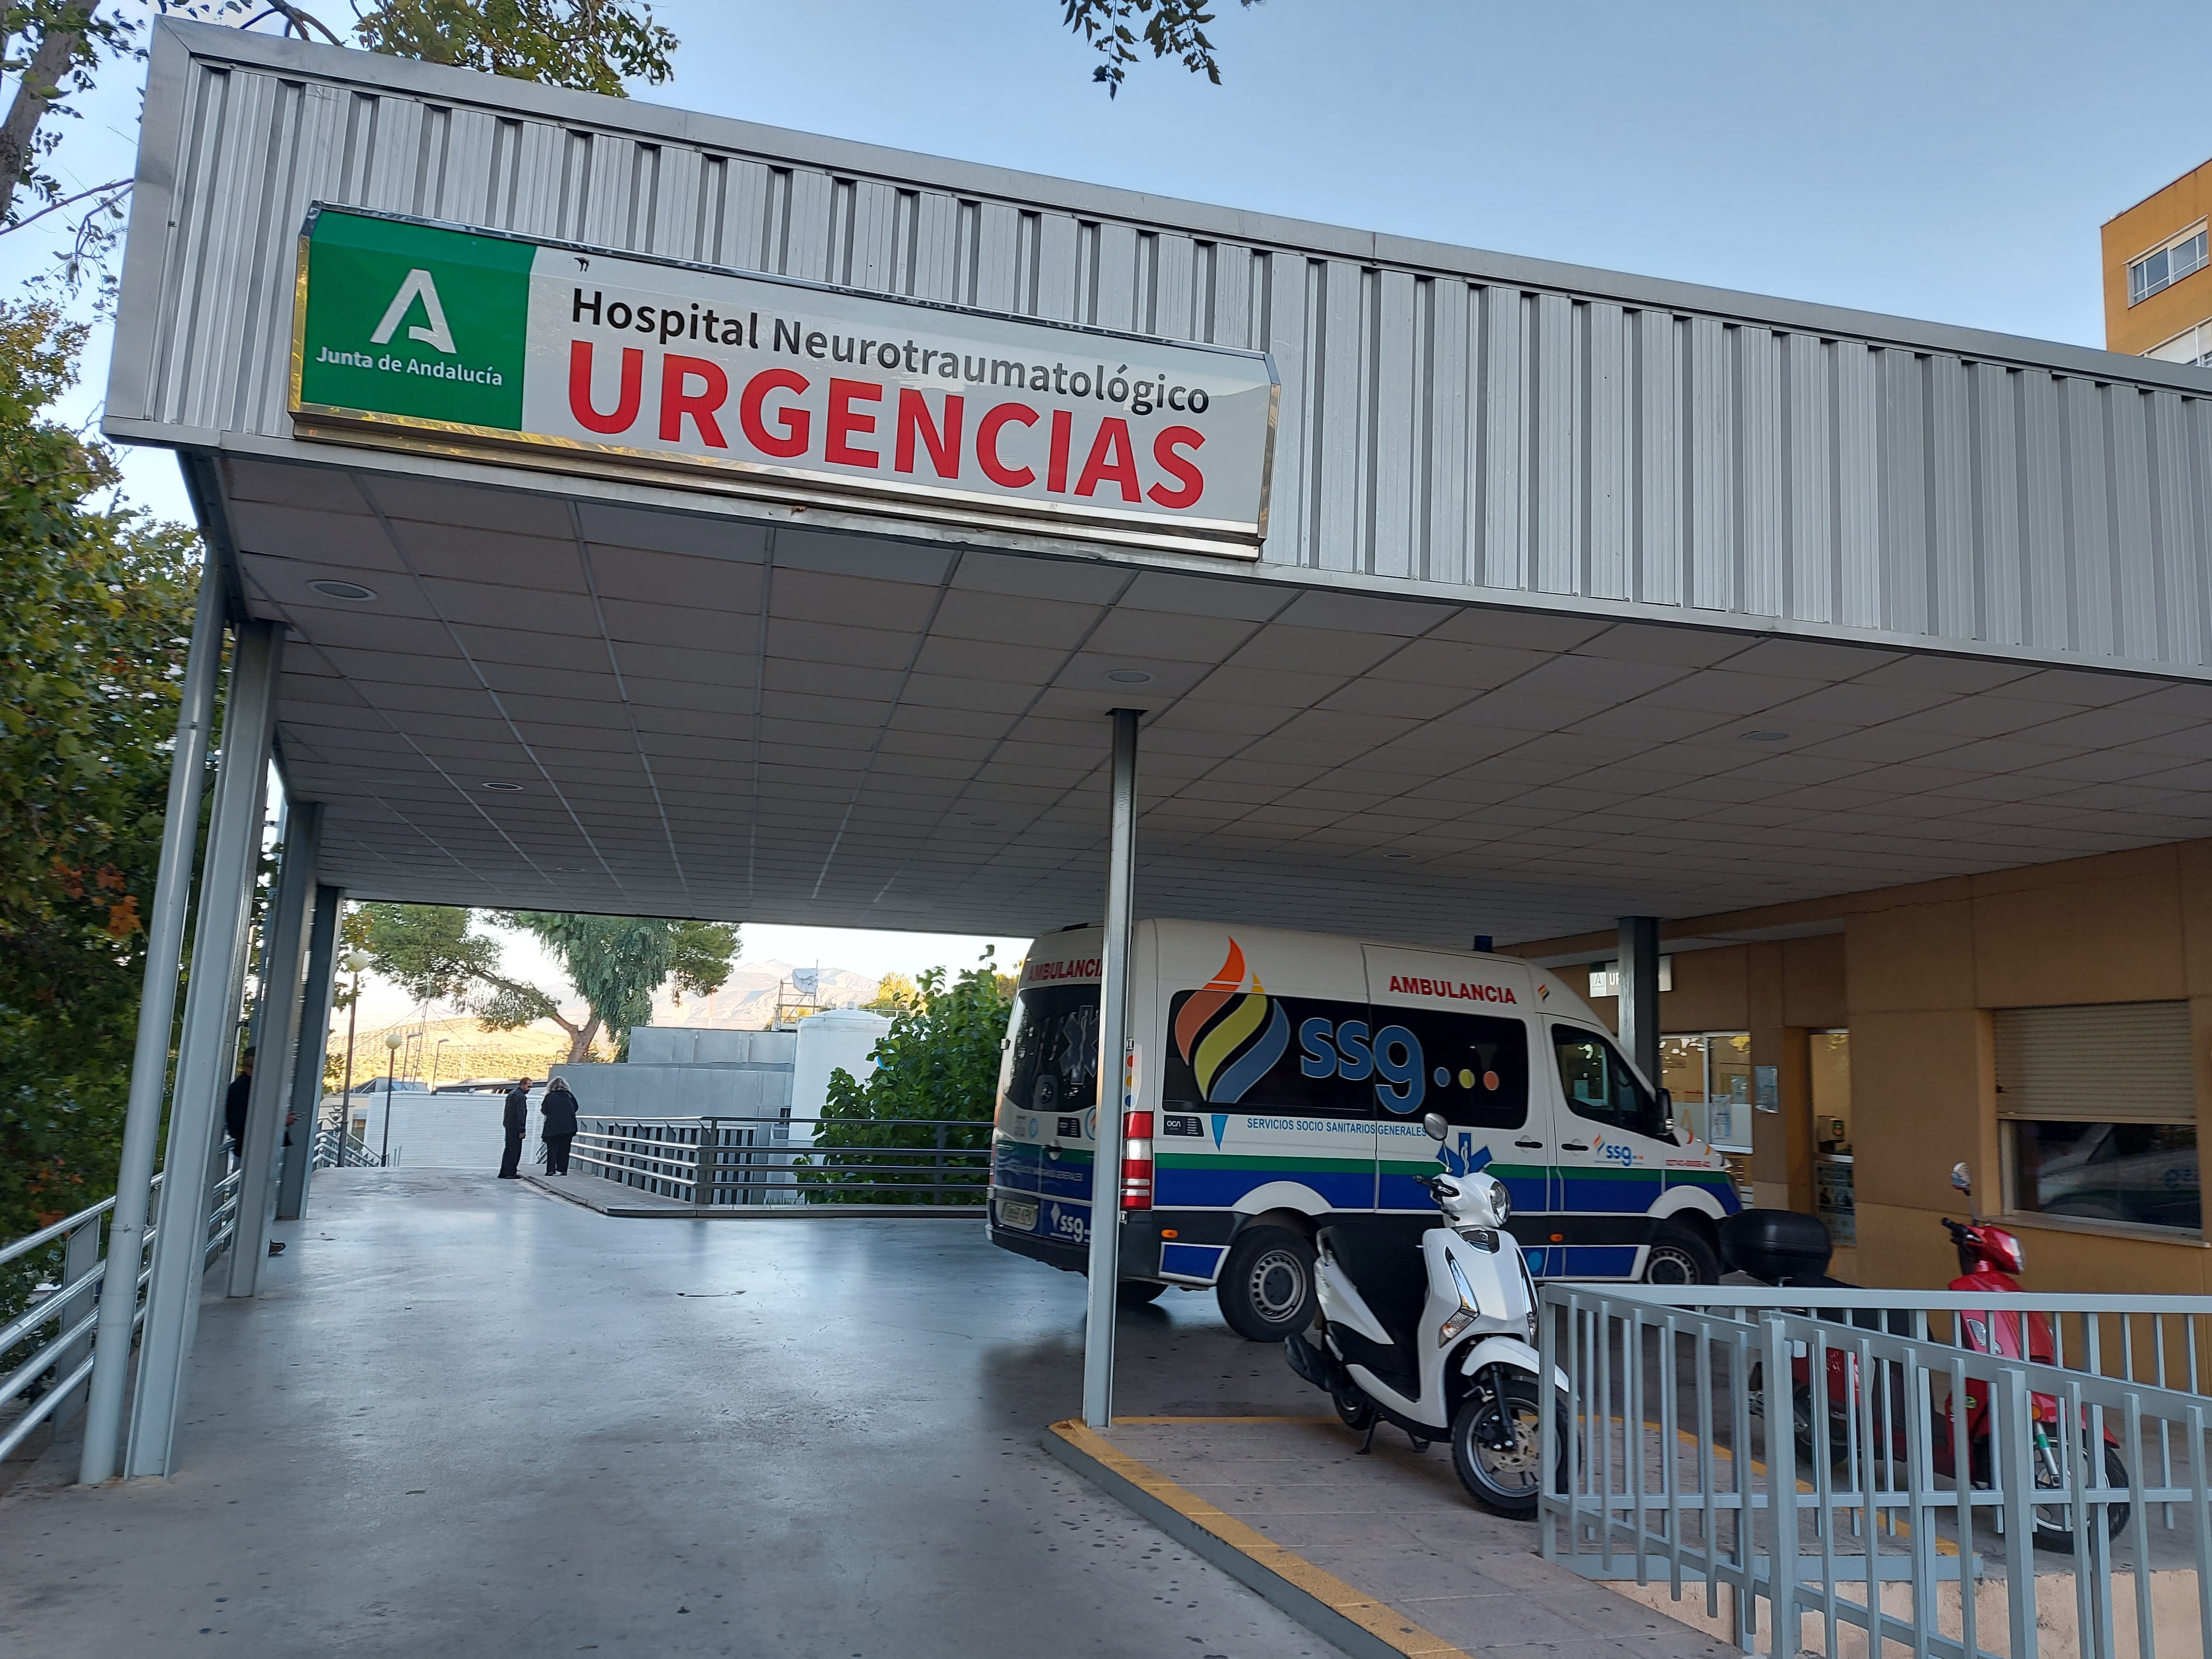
[(746, 1001)]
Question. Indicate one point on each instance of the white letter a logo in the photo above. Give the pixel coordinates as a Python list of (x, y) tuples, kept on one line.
[(418, 286)]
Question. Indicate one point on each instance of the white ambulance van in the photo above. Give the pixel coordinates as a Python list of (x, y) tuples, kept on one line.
[(1281, 1078)]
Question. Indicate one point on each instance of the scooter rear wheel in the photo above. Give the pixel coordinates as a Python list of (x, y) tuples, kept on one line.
[(1504, 1479)]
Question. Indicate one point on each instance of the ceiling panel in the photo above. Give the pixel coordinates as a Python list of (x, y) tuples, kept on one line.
[(929, 748)]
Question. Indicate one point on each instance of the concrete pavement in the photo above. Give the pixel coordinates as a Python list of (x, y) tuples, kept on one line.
[(469, 1417)]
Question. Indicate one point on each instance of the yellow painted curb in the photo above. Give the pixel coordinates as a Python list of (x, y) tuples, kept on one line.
[(1287, 1579)]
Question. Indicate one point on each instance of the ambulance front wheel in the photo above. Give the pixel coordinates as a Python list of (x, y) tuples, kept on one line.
[(1679, 1256), (1138, 1292), (1267, 1285)]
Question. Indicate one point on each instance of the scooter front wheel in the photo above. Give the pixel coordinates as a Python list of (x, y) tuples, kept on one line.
[(1355, 1415), (2054, 1522), (1497, 1447)]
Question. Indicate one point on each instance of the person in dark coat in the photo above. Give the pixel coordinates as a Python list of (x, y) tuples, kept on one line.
[(517, 1124), (559, 1107), (235, 1100)]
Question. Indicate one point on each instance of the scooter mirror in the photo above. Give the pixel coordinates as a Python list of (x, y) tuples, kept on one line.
[(1434, 1123), (1962, 1177)]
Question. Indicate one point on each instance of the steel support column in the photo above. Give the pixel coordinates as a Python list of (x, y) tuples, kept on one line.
[(308, 1051), (283, 951), (1113, 1076), (205, 1047), (1639, 993), (149, 1062)]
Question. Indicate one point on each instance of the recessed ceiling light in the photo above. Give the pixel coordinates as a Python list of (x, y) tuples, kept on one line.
[(1397, 855), (506, 788), (353, 592), (570, 869), (1765, 737), (1128, 676), (982, 823)]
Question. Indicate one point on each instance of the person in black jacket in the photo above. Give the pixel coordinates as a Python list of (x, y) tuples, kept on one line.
[(236, 1099), (517, 1124), (559, 1108)]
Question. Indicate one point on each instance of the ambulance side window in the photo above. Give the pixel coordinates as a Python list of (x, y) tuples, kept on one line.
[(1599, 1086), (1475, 1066)]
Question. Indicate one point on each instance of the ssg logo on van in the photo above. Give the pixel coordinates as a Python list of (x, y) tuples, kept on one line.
[(1231, 1032)]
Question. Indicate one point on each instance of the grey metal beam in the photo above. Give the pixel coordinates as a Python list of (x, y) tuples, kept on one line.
[(149, 1062), (1639, 993), (283, 951), (307, 1098), (205, 1048), (1113, 1071)]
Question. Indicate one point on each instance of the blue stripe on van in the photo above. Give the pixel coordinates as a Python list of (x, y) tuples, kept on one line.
[(1220, 1184), (1405, 1192)]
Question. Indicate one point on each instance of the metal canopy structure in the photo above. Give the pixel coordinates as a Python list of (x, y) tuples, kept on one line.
[(1583, 593), (1549, 597)]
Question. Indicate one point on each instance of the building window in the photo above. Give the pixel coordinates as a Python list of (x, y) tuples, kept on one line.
[(1834, 1185), (2192, 346), (2098, 1107), (2163, 267), (1709, 1074)]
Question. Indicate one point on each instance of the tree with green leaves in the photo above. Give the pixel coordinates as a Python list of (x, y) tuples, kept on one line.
[(939, 1062), (895, 994), (95, 613), (57, 48), (1170, 28), (616, 963)]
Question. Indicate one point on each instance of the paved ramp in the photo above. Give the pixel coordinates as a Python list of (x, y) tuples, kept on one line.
[(468, 1418)]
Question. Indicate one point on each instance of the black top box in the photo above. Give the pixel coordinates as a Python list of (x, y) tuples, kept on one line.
[(1779, 1246)]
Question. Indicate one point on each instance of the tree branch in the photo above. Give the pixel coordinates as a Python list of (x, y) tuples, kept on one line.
[(117, 186), (36, 92)]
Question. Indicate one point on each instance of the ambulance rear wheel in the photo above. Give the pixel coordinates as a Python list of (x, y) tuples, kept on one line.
[(1267, 1285)]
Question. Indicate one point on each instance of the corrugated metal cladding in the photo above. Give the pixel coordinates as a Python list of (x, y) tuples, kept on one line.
[(1487, 434)]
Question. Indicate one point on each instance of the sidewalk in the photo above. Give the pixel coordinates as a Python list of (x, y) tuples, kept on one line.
[(1384, 1555)]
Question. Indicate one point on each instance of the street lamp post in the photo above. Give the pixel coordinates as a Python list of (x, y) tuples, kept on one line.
[(392, 1041), (355, 962)]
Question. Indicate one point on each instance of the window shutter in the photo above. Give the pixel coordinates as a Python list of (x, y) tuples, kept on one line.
[(2114, 1062)]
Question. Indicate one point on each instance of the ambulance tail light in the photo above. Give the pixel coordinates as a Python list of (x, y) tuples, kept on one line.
[(1137, 1162)]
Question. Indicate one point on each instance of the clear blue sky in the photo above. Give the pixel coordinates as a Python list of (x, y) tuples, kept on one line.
[(1950, 161)]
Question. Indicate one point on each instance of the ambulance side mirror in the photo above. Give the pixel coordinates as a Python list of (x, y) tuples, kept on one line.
[(1433, 1123)]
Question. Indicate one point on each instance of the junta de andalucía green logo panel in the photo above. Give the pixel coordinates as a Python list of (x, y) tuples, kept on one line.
[(413, 321)]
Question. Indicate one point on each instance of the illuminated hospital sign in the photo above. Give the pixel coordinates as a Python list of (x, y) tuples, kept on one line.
[(456, 341)]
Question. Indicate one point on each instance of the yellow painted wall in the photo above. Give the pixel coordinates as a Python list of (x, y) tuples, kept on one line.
[(2137, 329), (1914, 977)]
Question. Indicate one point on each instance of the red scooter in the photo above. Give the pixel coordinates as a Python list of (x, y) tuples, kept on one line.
[(1781, 1247)]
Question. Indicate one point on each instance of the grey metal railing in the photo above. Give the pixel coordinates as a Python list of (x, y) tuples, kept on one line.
[(779, 1160), (46, 1349), (1925, 1493), (336, 1150)]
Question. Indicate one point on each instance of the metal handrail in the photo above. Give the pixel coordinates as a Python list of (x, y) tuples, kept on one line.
[(336, 1150), (50, 1378), (779, 1160), (1844, 1456)]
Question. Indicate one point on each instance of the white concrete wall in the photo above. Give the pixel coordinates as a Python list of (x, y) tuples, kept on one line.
[(452, 1131), (839, 1039)]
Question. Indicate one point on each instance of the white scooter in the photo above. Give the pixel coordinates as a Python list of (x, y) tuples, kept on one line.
[(1436, 1336)]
